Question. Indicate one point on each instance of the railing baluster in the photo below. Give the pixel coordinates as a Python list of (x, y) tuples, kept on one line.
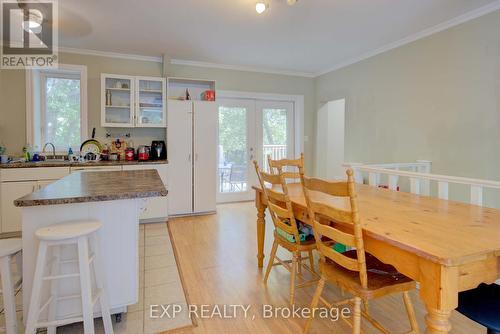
[(393, 182), (374, 179), (443, 190), (476, 195), (415, 185)]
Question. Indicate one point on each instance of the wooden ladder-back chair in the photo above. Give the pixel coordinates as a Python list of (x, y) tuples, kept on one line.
[(281, 212), (283, 167), (355, 271)]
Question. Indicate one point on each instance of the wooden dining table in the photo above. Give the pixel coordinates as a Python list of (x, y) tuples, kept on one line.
[(446, 246)]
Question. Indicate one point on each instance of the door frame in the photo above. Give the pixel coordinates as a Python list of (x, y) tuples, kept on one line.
[(298, 127)]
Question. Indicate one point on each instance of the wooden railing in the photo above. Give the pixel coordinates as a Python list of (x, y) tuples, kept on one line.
[(420, 176)]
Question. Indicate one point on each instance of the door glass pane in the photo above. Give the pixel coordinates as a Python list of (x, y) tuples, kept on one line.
[(118, 100), (150, 102), (274, 130), (62, 112), (233, 157)]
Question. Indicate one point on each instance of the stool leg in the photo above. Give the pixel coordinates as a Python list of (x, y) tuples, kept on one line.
[(85, 283), (9, 299), (54, 270), (100, 280), (36, 289)]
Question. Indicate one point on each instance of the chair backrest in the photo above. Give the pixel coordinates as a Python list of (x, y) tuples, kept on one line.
[(283, 167), (278, 201), (319, 208)]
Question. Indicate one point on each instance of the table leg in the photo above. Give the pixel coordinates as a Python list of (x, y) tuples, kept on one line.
[(437, 321), (261, 228)]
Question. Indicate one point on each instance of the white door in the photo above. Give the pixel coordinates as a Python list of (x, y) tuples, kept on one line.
[(275, 131), (236, 150), (250, 129), (180, 155), (205, 159)]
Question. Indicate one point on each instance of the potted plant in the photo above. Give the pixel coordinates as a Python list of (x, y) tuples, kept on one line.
[(4, 158)]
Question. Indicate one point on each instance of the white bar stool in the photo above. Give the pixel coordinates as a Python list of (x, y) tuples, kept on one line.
[(8, 249), (81, 233)]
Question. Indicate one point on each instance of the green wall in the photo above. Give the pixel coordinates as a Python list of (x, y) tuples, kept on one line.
[(436, 99)]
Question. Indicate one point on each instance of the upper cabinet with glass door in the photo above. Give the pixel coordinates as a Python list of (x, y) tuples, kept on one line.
[(132, 101), (117, 100), (150, 106)]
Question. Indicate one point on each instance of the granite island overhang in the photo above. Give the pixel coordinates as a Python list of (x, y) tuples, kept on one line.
[(116, 199)]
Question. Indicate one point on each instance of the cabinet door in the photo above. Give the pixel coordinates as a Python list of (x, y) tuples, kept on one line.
[(150, 106), (117, 100), (157, 206), (205, 156), (11, 215), (180, 156)]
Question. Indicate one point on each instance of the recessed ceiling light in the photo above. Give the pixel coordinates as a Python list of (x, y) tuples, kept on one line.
[(260, 7), (291, 2)]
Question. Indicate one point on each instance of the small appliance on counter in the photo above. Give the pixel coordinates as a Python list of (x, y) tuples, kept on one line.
[(143, 153), (158, 150)]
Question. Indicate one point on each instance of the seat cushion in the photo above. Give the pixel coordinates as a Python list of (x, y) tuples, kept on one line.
[(482, 305), (383, 278)]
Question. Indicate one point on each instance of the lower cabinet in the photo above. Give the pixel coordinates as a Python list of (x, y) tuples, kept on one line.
[(10, 191), (157, 208), (18, 182)]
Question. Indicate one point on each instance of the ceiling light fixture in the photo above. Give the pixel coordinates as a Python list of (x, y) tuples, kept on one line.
[(291, 2), (260, 7)]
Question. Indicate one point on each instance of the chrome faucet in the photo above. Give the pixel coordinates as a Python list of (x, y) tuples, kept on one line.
[(53, 149)]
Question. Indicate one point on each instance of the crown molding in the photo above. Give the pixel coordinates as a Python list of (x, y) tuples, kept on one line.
[(110, 54), (481, 11), (240, 68)]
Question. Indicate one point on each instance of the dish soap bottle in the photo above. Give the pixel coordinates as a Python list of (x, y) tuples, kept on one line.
[(70, 154)]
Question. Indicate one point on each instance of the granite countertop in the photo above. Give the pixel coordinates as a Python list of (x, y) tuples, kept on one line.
[(97, 186), (49, 163)]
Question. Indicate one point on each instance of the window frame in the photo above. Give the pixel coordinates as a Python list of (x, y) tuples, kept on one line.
[(35, 102)]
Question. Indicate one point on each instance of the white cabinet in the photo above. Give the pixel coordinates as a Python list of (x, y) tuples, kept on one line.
[(157, 208), (10, 191), (150, 108), (11, 215), (192, 154), (117, 100), (130, 101)]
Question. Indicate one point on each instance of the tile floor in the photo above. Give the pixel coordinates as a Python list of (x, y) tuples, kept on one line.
[(159, 283)]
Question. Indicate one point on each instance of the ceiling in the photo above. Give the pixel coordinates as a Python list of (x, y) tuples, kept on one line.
[(310, 37)]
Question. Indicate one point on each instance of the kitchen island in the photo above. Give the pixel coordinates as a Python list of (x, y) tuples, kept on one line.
[(114, 198)]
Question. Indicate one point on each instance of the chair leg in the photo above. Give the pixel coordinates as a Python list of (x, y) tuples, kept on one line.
[(356, 328), (271, 260), (365, 306), (314, 304), (299, 266), (411, 312), (311, 261), (294, 275), (85, 283), (36, 289), (9, 299)]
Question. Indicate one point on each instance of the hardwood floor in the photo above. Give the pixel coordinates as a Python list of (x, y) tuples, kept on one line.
[(216, 255)]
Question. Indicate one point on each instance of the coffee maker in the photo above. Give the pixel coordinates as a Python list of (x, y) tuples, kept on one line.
[(158, 150)]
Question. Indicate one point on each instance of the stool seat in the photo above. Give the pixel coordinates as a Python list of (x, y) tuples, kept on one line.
[(10, 246), (482, 305), (67, 230)]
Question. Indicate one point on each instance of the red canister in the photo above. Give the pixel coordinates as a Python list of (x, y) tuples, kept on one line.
[(129, 154)]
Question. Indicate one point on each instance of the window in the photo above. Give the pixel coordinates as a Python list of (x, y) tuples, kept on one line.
[(57, 110)]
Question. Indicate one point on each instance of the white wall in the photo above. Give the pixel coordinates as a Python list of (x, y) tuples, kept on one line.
[(330, 139)]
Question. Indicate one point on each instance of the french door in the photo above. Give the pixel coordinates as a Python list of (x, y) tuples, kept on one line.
[(250, 130)]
